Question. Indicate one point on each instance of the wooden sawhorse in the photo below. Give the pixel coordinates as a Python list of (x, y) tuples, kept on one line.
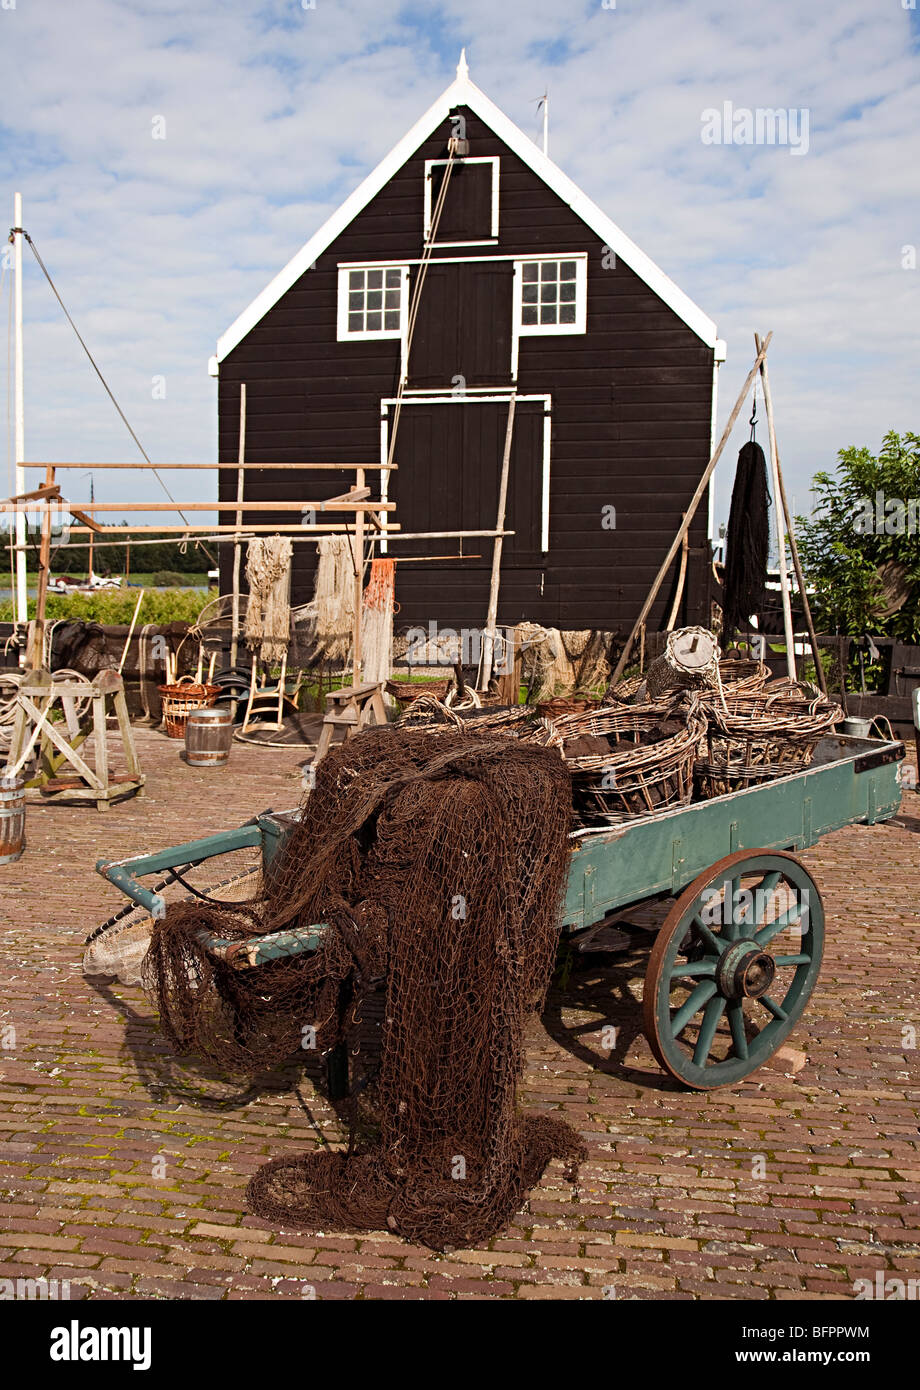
[(352, 708)]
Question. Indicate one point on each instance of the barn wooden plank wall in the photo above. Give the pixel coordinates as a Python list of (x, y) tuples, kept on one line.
[(631, 416)]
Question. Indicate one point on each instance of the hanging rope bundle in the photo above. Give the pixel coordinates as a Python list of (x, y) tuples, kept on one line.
[(268, 611), (377, 621), (438, 862), (334, 596)]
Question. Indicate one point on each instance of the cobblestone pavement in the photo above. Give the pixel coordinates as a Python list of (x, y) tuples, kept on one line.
[(124, 1169)]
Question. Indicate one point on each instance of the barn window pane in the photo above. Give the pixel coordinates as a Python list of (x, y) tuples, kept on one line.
[(375, 301), (551, 294)]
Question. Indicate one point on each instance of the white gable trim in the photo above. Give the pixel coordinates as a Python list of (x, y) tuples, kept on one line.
[(463, 92)]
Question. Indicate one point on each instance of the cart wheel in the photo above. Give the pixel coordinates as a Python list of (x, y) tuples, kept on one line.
[(733, 967)]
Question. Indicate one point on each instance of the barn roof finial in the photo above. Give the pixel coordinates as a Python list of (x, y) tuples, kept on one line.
[(463, 70)]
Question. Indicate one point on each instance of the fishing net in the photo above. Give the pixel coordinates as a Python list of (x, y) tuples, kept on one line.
[(438, 862), (268, 610)]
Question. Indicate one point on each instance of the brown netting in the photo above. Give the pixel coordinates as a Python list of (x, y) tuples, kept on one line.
[(438, 861)]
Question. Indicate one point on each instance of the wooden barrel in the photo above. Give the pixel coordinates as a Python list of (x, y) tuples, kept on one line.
[(208, 735), (12, 819)]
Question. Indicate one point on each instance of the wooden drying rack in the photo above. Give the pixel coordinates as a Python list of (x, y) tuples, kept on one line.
[(356, 503), (356, 510)]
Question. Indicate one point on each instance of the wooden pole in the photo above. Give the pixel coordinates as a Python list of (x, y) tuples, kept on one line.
[(790, 530), (92, 499), (35, 658), (780, 532), (235, 608), (22, 589), (689, 514), (488, 643), (137, 609), (359, 584), (681, 580)]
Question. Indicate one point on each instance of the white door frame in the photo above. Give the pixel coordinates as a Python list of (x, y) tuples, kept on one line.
[(497, 395)]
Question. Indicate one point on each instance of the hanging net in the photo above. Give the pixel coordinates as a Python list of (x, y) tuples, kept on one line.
[(437, 862)]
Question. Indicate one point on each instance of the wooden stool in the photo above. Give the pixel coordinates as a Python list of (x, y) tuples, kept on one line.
[(352, 708), (33, 727)]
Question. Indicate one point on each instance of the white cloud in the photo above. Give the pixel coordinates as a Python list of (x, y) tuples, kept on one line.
[(274, 113)]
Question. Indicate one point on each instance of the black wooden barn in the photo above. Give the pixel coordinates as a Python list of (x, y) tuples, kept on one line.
[(531, 290)]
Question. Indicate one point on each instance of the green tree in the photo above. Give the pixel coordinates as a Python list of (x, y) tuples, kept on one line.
[(861, 547)]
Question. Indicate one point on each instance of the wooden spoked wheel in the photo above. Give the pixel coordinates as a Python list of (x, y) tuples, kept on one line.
[(733, 967)]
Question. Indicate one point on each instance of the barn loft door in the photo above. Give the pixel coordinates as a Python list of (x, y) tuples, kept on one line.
[(467, 211), (449, 457), (463, 328)]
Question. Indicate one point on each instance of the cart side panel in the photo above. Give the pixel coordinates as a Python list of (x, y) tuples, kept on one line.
[(662, 854)]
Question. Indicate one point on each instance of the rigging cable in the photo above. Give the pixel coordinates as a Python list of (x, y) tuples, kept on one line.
[(108, 390)]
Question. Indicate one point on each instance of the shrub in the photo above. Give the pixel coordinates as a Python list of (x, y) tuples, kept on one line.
[(111, 607)]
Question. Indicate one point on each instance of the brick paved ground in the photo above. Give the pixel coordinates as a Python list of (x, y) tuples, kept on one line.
[(124, 1169)]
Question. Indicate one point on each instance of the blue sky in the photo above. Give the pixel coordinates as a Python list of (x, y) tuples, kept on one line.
[(274, 112)]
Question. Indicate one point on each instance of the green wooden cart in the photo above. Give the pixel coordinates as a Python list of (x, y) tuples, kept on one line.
[(737, 957)]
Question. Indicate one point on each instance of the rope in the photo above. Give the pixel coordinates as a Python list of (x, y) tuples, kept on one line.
[(417, 294), (107, 388)]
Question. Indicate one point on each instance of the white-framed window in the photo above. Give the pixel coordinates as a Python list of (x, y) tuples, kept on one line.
[(550, 295), (373, 302), (472, 218)]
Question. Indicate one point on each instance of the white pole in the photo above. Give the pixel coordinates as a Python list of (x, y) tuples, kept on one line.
[(546, 123), (22, 592), (778, 514)]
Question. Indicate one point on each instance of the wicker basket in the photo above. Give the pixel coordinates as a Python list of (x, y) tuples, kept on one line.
[(754, 736), (407, 691), (180, 699), (625, 690), (560, 705), (431, 714), (636, 778), (740, 674)]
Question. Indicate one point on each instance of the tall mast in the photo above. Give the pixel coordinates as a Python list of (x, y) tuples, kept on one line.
[(22, 592)]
